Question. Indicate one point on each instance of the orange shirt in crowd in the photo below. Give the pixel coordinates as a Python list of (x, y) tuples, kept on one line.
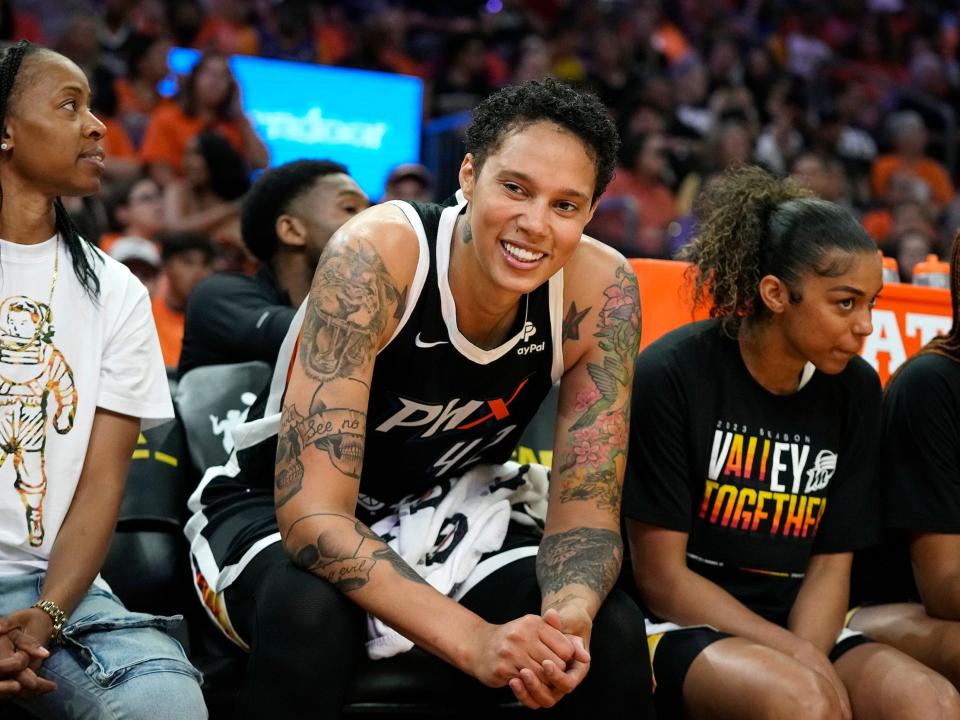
[(930, 171), (658, 207), (331, 42), (170, 330), (170, 130), (220, 34), (107, 240), (402, 64), (669, 40), (131, 101), (116, 143), (878, 224)]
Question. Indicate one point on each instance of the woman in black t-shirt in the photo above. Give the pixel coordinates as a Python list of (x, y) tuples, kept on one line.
[(751, 470), (921, 489)]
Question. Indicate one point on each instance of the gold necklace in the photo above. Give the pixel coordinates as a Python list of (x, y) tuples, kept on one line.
[(47, 318)]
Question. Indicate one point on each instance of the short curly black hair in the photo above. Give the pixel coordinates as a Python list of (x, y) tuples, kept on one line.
[(271, 196), (516, 106)]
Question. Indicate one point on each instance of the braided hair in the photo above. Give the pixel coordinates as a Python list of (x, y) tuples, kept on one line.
[(80, 256)]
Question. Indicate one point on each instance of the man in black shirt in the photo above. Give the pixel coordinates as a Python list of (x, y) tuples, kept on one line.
[(288, 217)]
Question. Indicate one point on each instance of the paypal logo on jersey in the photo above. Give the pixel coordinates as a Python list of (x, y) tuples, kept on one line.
[(529, 330)]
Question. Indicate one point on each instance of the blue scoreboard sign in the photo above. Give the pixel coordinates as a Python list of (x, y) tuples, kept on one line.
[(369, 121)]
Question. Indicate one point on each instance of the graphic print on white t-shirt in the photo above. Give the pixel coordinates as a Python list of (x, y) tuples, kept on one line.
[(35, 379), (65, 354)]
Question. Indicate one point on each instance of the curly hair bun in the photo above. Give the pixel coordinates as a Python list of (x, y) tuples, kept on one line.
[(752, 224)]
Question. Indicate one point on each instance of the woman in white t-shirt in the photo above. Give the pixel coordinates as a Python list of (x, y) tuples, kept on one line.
[(80, 371)]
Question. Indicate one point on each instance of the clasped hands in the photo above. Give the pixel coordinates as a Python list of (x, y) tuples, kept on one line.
[(22, 653), (541, 658)]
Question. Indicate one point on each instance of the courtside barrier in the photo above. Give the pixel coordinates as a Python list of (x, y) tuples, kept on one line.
[(905, 318)]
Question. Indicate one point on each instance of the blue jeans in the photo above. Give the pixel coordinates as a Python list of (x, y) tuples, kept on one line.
[(112, 665)]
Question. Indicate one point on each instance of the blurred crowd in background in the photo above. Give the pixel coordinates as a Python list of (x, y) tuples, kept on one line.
[(855, 98)]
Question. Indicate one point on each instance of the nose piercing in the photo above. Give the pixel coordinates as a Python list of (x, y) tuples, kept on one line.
[(4, 146)]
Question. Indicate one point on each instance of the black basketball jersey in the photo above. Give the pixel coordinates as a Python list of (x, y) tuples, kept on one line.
[(438, 406)]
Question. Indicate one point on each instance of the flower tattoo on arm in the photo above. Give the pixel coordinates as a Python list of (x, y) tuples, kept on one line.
[(591, 468)]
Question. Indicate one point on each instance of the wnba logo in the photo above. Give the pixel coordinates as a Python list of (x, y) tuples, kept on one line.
[(529, 330)]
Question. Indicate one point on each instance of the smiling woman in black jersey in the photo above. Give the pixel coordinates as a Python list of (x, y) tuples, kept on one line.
[(429, 339), (751, 474)]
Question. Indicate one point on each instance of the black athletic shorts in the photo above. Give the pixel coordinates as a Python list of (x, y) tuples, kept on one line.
[(672, 653)]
